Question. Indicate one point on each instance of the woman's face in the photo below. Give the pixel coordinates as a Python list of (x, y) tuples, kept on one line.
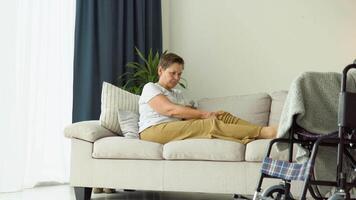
[(170, 77)]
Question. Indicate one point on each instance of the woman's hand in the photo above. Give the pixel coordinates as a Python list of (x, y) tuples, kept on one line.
[(207, 115), (213, 115)]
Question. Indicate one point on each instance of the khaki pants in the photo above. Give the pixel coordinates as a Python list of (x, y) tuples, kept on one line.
[(225, 126)]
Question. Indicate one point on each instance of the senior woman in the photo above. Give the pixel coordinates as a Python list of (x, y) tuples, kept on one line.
[(164, 117)]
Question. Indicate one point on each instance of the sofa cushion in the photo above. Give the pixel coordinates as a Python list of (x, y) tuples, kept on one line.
[(278, 99), (256, 151), (126, 148), (253, 108), (204, 149), (87, 130), (112, 99)]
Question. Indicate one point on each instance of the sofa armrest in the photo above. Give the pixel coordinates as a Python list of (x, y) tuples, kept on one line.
[(87, 130)]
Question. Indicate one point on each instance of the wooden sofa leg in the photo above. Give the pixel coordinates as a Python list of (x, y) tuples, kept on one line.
[(82, 193)]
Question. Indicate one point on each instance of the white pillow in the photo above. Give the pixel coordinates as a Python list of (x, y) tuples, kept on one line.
[(112, 99), (129, 123)]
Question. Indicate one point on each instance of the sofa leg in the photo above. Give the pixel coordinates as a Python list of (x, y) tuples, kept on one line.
[(239, 197), (82, 193), (129, 190)]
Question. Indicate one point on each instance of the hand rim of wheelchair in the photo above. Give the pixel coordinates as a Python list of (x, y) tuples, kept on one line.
[(267, 193)]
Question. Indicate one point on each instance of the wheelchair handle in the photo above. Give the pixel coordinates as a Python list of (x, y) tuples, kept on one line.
[(344, 75)]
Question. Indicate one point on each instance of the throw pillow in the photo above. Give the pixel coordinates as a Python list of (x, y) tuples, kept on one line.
[(112, 99), (128, 121), (87, 130)]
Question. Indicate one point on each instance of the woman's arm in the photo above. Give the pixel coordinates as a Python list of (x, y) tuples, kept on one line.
[(164, 106)]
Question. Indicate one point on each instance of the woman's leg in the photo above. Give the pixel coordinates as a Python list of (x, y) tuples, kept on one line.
[(228, 118), (243, 133), (178, 130), (267, 132), (201, 128)]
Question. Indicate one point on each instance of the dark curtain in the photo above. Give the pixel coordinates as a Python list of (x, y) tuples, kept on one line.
[(106, 33)]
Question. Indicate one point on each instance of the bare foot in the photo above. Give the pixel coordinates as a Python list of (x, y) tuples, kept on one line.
[(268, 132)]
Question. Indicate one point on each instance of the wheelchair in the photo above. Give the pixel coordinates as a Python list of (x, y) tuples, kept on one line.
[(343, 139)]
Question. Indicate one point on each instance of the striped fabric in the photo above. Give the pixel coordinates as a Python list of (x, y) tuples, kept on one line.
[(284, 169), (112, 99), (228, 118)]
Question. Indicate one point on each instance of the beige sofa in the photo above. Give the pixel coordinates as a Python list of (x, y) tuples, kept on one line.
[(100, 158)]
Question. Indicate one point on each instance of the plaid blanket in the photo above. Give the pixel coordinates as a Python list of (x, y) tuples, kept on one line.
[(284, 169)]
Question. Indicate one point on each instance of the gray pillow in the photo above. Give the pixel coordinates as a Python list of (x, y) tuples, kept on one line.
[(128, 121)]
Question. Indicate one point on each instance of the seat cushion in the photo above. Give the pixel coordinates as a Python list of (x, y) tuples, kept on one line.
[(126, 148), (253, 107), (204, 149), (256, 151)]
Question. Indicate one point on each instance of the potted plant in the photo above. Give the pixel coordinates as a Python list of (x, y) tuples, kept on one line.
[(142, 73)]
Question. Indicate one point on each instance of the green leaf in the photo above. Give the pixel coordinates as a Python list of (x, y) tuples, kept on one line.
[(134, 65), (142, 74), (122, 77), (182, 85), (141, 55), (127, 84), (149, 60)]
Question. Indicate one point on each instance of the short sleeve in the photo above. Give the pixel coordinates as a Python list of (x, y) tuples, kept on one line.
[(149, 91)]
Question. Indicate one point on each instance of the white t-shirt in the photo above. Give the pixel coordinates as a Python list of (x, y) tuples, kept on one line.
[(149, 117)]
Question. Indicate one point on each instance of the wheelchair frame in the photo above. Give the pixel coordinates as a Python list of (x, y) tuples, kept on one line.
[(344, 138)]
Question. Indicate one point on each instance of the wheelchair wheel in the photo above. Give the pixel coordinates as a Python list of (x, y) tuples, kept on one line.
[(275, 192)]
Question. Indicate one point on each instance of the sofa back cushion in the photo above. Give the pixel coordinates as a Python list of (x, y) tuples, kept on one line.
[(204, 149), (253, 107), (278, 99)]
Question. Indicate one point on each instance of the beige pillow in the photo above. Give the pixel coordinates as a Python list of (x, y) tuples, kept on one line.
[(87, 130), (112, 99)]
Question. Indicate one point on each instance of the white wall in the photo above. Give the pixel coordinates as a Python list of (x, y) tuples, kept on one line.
[(239, 47), (7, 61)]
